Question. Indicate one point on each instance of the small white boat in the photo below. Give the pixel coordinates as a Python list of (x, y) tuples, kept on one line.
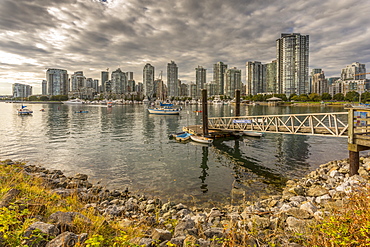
[(23, 111), (165, 109), (73, 101), (253, 133), (201, 139)]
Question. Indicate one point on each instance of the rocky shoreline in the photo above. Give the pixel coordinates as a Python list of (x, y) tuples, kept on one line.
[(270, 222)]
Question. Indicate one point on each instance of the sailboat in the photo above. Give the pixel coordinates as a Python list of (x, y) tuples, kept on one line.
[(23, 111)]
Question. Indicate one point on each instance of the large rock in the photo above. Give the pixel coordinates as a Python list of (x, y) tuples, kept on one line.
[(316, 191)]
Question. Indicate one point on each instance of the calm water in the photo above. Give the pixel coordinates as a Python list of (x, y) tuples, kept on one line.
[(126, 147)]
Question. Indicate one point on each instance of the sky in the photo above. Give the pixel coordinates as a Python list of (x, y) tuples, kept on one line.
[(100, 35)]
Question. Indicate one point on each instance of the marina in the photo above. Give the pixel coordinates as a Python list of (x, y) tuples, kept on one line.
[(125, 146)]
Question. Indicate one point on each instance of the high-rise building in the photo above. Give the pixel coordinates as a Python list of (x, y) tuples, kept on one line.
[(219, 70), (148, 81), (104, 78), (78, 81), (319, 83), (313, 72), (255, 78), (232, 81), (271, 84), (172, 80), (200, 79), (292, 51), (57, 82), (355, 71), (119, 81), (21, 90), (44, 87)]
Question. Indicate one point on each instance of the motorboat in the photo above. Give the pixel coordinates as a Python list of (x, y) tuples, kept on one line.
[(23, 111), (201, 139), (81, 111), (253, 133), (164, 109), (73, 101)]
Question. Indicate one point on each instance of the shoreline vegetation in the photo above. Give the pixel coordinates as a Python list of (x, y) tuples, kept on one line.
[(40, 207)]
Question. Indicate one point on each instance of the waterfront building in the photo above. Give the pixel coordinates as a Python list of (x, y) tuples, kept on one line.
[(255, 78), (211, 88), (130, 82), (319, 83), (355, 71), (292, 51), (313, 72), (172, 80), (200, 79), (159, 90), (184, 90), (359, 86), (44, 87), (336, 87), (95, 85), (148, 81), (232, 81), (57, 82), (21, 90), (108, 87), (78, 81), (193, 90), (271, 83), (119, 82), (219, 70), (89, 83), (332, 80), (104, 78)]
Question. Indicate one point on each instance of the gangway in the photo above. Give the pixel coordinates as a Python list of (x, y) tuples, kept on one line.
[(321, 124)]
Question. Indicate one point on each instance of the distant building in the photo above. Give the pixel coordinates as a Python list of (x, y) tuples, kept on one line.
[(193, 90), (119, 82), (200, 79), (44, 87), (57, 82), (255, 78), (184, 90), (211, 89), (271, 80), (232, 81), (313, 72), (21, 90), (292, 63), (319, 83), (172, 80), (355, 71), (78, 81), (219, 70), (336, 87), (104, 78), (148, 81)]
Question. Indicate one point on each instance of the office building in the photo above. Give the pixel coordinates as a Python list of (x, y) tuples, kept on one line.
[(57, 82), (292, 51), (219, 70), (172, 80)]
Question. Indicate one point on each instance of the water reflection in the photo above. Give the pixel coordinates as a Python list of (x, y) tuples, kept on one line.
[(204, 168)]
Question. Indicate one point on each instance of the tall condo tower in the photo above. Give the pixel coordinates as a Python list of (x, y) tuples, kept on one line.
[(200, 79), (78, 81), (119, 81), (233, 81), (219, 70), (104, 78), (255, 78), (351, 72), (57, 82), (292, 51), (172, 80), (148, 81)]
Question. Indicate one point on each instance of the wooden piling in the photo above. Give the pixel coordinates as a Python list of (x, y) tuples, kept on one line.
[(354, 162), (205, 112), (237, 102)]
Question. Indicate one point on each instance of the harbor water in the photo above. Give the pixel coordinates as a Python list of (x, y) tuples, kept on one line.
[(125, 147)]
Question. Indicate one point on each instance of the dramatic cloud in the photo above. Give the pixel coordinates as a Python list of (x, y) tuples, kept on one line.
[(93, 35)]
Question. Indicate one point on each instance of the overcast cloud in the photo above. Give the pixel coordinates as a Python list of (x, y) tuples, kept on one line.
[(94, 35)]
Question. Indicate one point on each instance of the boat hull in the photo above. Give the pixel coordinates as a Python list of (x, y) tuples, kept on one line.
[(252, 133), (160, 111), (183, 137), (201, 139)]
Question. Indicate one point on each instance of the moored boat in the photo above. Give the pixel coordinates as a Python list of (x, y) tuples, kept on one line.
[(81, 111), (253, 133), (165, 109), (183, 137), (73, 101), (201, 139)]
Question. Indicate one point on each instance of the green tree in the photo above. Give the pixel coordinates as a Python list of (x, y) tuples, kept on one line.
[(282, 96), (314, 97), (33, 98), (338, 97), (303, 97), (44, 98), (326, 96), (365, 97), (292, 96), (352, 96)]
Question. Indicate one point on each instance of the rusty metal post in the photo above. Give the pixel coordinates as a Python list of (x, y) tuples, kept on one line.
[(205, 112), (354, 162), (237, 102)]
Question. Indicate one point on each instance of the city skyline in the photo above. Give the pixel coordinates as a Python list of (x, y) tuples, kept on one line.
[(91, 36)]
